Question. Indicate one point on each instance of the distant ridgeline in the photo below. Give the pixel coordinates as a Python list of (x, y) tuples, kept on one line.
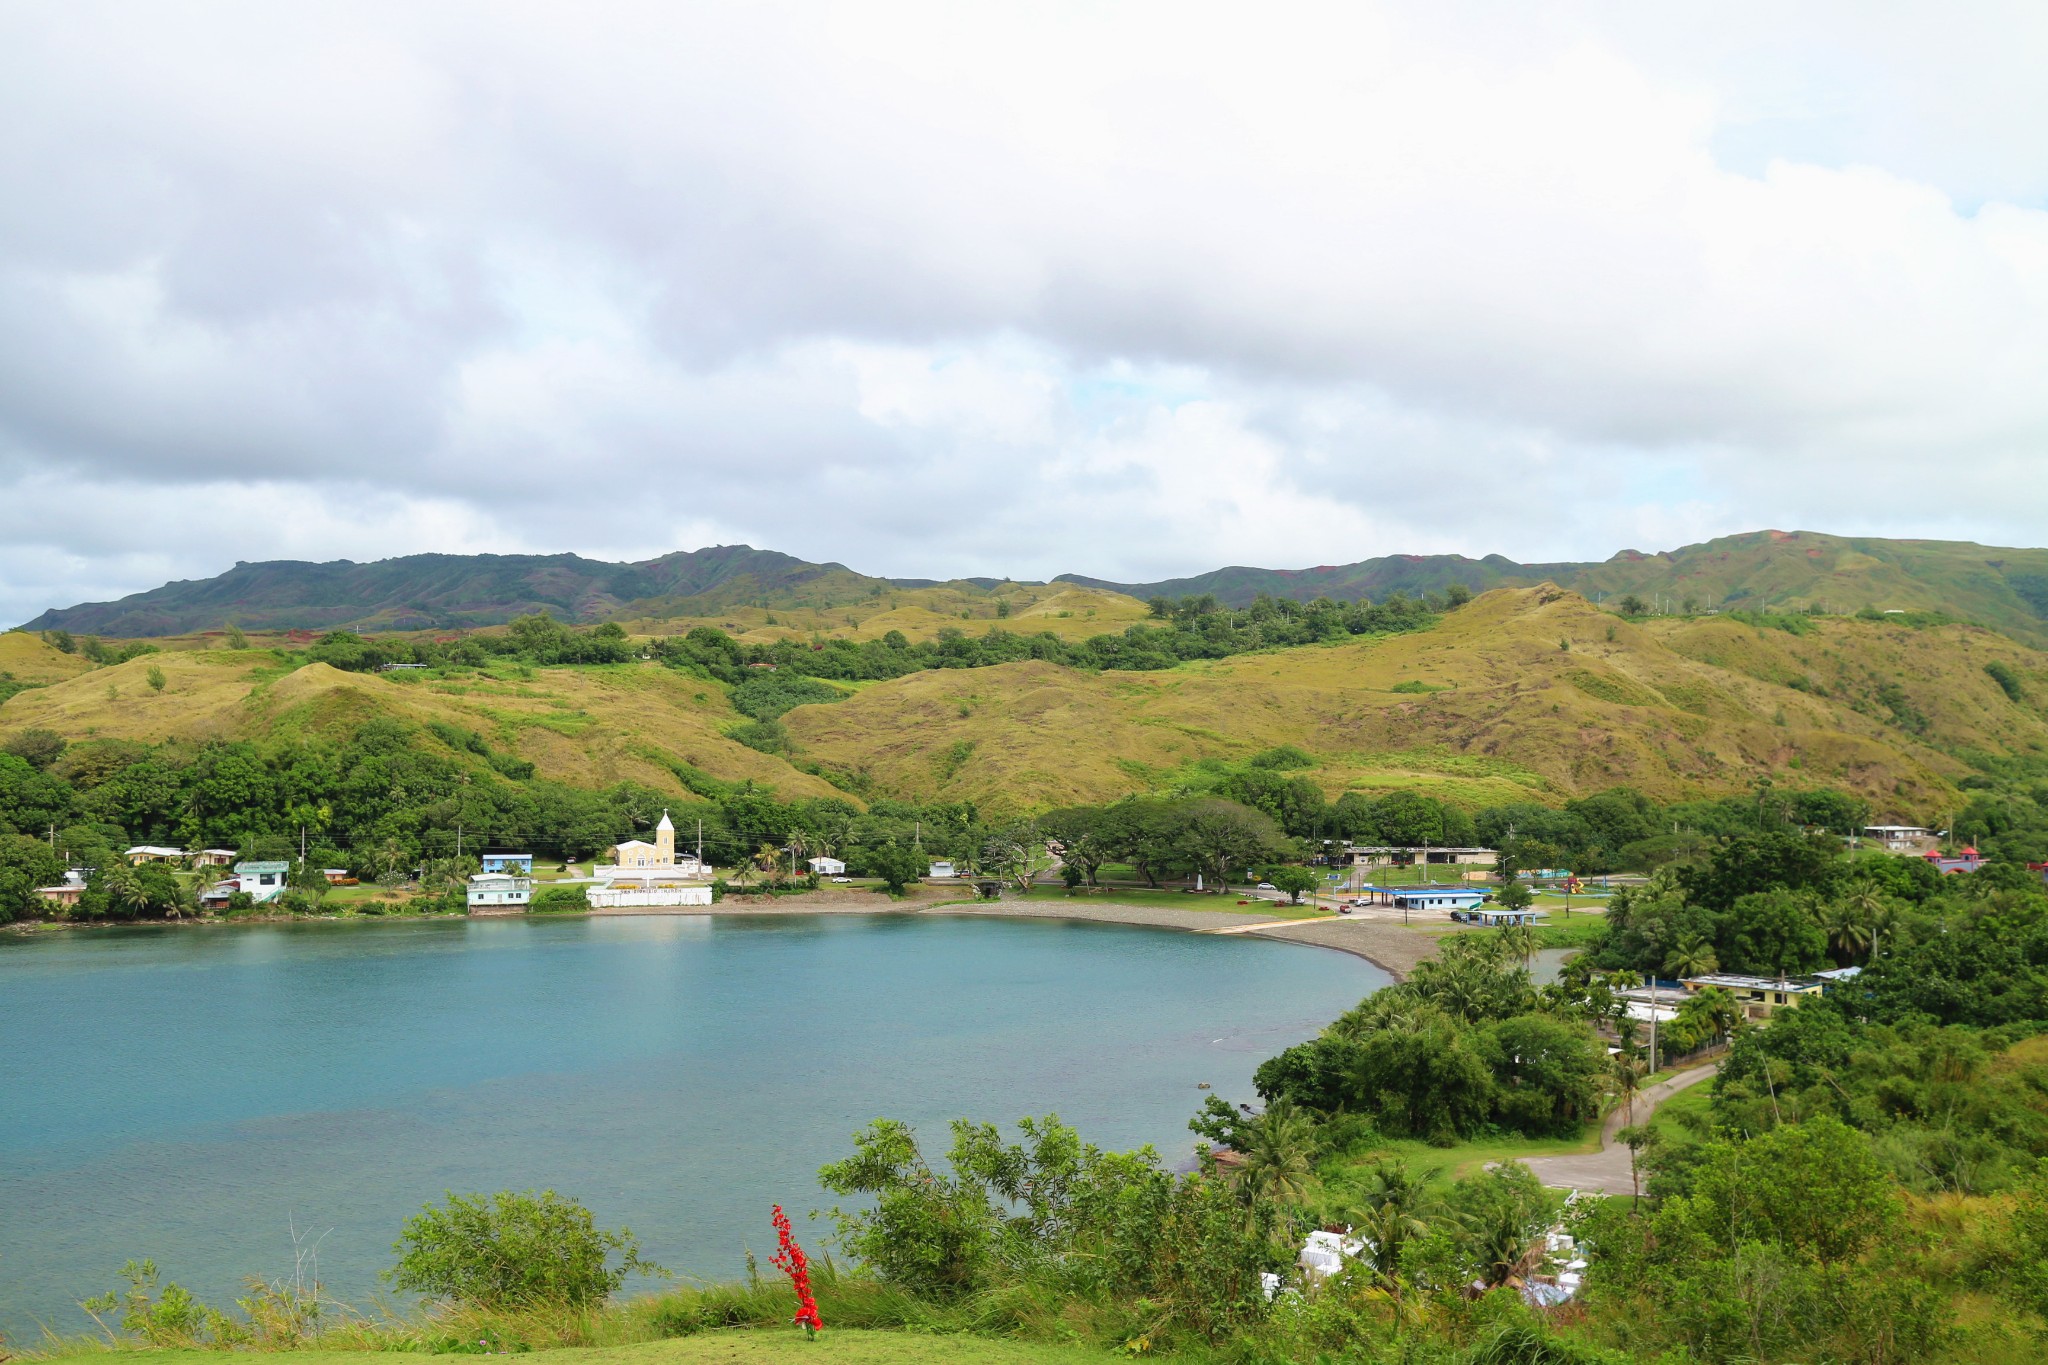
[(2003, 588)]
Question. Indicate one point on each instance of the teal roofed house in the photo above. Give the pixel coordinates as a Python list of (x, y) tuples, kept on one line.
[(262, 881)]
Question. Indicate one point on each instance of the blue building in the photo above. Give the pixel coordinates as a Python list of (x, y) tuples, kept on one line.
[(516, 864)]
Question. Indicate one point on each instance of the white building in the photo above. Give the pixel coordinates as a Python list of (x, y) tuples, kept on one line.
[(942, 869), (650, 876), (262, 881), (828, 867), (499, 891)]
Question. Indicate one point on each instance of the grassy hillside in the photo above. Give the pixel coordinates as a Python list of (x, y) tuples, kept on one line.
[(1529, 693), (26, 658), (2005, 588), (588, 726), (1524, 694), (919, 613)]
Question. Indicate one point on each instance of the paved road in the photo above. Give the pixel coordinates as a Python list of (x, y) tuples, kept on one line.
[(1606, 1170)]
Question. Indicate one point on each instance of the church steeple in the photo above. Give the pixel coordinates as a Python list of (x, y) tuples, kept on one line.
[(665, 842)]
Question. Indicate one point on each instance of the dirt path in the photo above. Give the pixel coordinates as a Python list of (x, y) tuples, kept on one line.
[(1606, 1171)]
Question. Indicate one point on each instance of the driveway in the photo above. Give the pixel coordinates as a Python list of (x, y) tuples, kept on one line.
[(1606, 1171)]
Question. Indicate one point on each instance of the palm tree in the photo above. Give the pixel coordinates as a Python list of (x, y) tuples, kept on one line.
[(1517, 941), (1391, 1217), (1279, 1154), (1628, 1079), (1847, 928), (1693, 956), (1508, 1251), (1718, 1009)]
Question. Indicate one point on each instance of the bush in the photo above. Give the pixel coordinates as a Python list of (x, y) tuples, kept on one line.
[(513, 1250), (556, 900)]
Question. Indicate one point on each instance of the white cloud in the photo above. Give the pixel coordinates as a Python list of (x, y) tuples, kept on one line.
[(1129, 291)]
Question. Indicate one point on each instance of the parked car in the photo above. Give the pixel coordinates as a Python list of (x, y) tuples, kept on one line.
[(1267, 886), (842, 879)]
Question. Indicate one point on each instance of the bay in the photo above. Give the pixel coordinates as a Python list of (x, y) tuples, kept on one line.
[(198, 1095)]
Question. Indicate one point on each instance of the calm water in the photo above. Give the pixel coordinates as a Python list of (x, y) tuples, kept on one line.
[(191, 1094)]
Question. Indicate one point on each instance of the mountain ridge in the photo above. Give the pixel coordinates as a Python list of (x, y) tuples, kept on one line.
[(2006, 588)]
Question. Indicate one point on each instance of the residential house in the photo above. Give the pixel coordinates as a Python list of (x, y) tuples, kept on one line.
[(512, 864), (942, 868), (143, 854), (263, 881), (1901, 838), (213, 857), (499, 892), (1758, 996), (828, 867), (66, 892)]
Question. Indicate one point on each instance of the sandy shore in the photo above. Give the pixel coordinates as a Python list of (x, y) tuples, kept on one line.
[(1389, 946)]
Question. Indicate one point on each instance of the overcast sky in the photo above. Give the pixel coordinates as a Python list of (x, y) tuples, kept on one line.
[(1126, 290)]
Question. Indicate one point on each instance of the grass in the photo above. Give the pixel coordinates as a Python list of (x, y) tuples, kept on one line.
[(732, 1346), (1442, 1165)]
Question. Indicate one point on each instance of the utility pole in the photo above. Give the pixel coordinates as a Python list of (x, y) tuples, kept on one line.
[(302, 848), (700, 841), (458, 843)]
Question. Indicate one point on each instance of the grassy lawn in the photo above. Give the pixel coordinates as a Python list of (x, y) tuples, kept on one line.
[(1177, 900), (740, 1346), (1442, 1165)]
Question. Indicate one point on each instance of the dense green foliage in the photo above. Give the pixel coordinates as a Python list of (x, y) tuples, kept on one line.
[(513, 1250), (1466, 1045)]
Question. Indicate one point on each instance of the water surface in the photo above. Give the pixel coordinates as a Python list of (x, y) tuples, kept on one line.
[(191, 1094)]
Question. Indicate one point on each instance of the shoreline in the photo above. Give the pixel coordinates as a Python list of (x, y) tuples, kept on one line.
[(1392, 948)]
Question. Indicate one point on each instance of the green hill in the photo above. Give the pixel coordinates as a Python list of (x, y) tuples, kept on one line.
[(2004, 588)]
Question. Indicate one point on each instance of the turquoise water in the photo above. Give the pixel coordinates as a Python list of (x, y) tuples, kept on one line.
[(194, 1094)]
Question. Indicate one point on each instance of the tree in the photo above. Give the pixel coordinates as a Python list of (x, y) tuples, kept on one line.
[(38, 748), (156, 679), (1295, 881), (896, 865), (1516, 896), (1279, 1154), (1847, 929), (1219, 835), (1632, 605), (1693, 956), (236, 639), (513, 1250)]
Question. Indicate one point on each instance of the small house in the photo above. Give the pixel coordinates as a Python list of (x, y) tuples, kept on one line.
[(1425, 897), (261, 881), (66, 892), (511, 864), (828, 867), (213, 857), (338, 876), (942, 868), (145, 854), (499, 891)]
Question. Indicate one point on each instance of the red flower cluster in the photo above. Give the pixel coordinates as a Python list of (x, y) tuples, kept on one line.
[(791, 1261)]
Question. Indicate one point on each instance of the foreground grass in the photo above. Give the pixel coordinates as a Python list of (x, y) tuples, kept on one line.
[(739, 1346)]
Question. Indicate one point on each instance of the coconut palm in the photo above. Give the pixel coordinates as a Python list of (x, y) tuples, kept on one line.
[(1628, 1079), (1508, 1251), (1394, 1200), (1278, 1148), (1517, 941), (1847, 928), (1693, 956)]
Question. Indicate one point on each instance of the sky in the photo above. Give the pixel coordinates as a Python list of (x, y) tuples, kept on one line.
[(1125, 290)]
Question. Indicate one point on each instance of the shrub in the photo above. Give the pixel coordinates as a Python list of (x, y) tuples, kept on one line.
[(559, 900), (512, 1250)]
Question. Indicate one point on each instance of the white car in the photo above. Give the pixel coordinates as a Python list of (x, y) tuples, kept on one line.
[(1267, 886), (842, 879)]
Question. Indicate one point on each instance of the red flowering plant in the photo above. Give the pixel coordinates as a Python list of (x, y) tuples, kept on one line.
[(791, 1261)]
